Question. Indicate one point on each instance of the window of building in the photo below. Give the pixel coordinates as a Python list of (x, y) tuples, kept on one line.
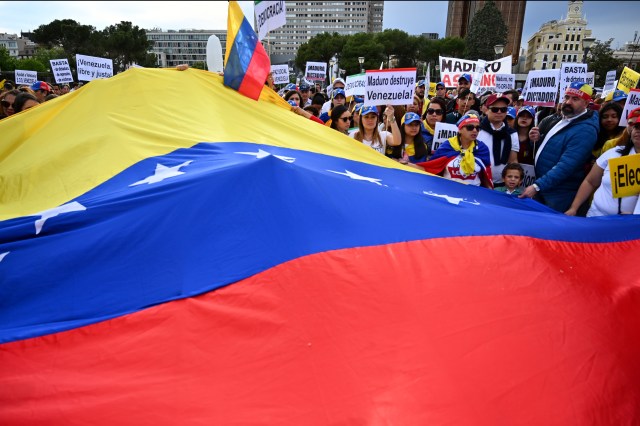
[(544, 66)]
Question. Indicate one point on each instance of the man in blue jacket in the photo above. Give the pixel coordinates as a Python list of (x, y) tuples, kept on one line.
[(563, 145)]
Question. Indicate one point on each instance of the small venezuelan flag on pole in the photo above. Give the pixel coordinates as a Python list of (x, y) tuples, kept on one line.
[(246, 64)]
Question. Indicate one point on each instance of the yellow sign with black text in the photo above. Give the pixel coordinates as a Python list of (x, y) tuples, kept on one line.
[(628, 80), (625, 175)]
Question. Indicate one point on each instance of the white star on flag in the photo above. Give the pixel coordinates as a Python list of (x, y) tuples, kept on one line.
[(452, 200), (48, 214), (162, 173), (2, 255), (357, 176), (263, 154)]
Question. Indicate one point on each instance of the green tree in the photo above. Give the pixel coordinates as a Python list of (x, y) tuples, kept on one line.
[(361, 44), (124, 44), (399, 44), (31, 64), (600, 60), (320, 48), (486, 30), (7, 62), (199, 65), (72, 36)]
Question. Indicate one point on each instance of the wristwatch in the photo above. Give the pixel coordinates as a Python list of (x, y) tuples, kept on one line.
[(536, 187)]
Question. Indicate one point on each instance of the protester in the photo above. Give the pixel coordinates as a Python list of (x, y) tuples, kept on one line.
[(268, 82), (464, 102), (340, 119), (609, 115), (512, 95), (338, 97), (512, 175), (523, 125), (41, 89), (464, 82), (7, 100), (419, 92), (511, 117), (565, 147), (355, 116), (599, 179), (369, 134), (305, 92), (338, 83), (412, 148), (434, 114), (617, 96), (294, 95), (25, 101), (441, 90)]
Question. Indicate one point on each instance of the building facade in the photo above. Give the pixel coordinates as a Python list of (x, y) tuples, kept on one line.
[(461, 13), (306, 19), (10, 42), (175, 47), (629, 55), (559, 41)]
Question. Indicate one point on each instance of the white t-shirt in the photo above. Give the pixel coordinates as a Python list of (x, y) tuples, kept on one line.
[(452, 171), (381, 148), (487, 138), (603, 202)]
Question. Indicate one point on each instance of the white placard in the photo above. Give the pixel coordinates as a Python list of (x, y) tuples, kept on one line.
[(270, 15), (529, 175), (92, 67), (570, 72), (452, 68), (61, 70), (441, 133), (355, 85), (316, 71), (477, 76), (591, 78), (280, 74), (505, 82), (633, 102), (390, 87), (610, 83), (542, 88), (26, 77)]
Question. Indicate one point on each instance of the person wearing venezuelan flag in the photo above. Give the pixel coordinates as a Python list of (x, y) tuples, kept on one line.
[(463, 158)]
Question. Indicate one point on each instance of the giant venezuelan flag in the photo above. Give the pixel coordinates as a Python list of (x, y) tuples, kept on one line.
[(206, 259)]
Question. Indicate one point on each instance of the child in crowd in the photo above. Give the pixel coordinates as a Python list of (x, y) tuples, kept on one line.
[(512, 175)]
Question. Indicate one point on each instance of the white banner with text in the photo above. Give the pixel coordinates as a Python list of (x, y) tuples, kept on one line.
[(452, 68), (61, 70), (390, 87), (93, 67)]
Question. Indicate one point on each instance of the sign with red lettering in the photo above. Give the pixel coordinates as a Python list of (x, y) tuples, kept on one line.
[(452, 68)]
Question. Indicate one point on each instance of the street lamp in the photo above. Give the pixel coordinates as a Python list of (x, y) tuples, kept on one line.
[(587, 42), (361, 61), (498, 48)]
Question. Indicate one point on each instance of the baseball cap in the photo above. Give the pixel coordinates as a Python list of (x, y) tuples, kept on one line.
[(619, 95), (633, 116), (304, 87), (337, 92), (468, 119), (41, 85), (511, 112), (531, 110), (339, 80), (580, 89), (410, 117), (420, 83), (440, 83), (371, 109), (492, 99), (466, 77)]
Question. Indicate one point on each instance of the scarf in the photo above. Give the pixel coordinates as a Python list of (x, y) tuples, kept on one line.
[(430, 129), (468, 163), (504, 134)]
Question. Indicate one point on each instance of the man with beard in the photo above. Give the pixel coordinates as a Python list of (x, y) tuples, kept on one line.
[(562, 147)]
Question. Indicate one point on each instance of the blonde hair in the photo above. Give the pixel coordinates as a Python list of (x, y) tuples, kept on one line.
[(376, 140)]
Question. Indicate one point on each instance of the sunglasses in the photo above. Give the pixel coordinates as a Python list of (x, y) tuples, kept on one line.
[(434, 111), (6, 104), (345, 119), (498, 109), (471, 127), (634, 126)]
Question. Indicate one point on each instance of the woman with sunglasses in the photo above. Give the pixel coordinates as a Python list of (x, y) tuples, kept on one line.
[(369, 134), (435, 112), (341, 119), (463, 158), (7, 100)]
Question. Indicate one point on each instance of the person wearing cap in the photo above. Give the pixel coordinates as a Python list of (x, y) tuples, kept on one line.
[(511, 117), (462, 158), (305, 92), (501, 139), (369, 134), (41, 89), (338, 97), (412, 148), (419, 92), (564, 148), (523, 124), (441, 90), (355, 117), (598, 181), (338, 83), (617, 96)]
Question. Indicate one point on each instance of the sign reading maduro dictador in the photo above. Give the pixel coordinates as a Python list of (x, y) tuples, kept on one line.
[(390, 87)]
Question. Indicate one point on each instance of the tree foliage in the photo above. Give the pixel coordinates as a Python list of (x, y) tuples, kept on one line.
[(320, 48), (399, 44), (600, 60), (487, 29), (361, 44), (125, 43)]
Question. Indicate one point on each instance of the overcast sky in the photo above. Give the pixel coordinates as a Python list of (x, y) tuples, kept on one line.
[(412, 17)]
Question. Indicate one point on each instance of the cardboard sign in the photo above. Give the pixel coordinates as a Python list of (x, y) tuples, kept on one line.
[(355, 85), (441, 133), (529, 175), (505, 82), (625, 175), (270, 15), (92, 67), (542, 88), (570, 72), (452, 68), (610, 83), (633, 102), (477, 76), (390, 87), (628, 80), (26, 77), (280, 74), (316, 71), (591, 78), (61, 70)]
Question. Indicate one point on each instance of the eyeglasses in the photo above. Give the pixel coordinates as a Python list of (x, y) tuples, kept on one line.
[(345, 119), (6, 104), (434, 111), (498, 109), (471, 127)]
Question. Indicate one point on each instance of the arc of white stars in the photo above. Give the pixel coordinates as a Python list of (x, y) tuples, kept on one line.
[(3, 255), (163, 172), (74, 206), (262, 154), (452, 200), (356, 176)]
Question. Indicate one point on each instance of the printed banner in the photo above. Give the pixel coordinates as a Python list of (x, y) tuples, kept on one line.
[(390, 87), (628, 80), (625, 175), (92, 67), (570, 72), (633, 102), (542, 88), (280, 74), (477, 75), (26, 77), (355, 85), (316, 71), (441, 133), (452, 68), (505, 82), (270, 15), (591, 78), (61, 70), (610, 83)]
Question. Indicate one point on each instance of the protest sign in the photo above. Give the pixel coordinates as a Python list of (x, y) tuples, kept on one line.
[(633, 102), (610, 83), (390, 87), (452, 68), (441, 133), (542, 88), (628, 80), (316, 71), (505, 82), (61, 70), (529, 175), (269, 16), (591, 78), (355, 85), (280, 74), (570, 72), (477, 76), (26, 77), (432, 89), (92, 67), (625, 175)]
